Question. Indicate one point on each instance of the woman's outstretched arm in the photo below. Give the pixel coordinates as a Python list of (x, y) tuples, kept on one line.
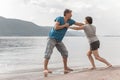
[(78, 28)]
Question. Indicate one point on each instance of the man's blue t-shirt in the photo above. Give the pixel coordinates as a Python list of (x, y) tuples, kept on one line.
[(59, 34)]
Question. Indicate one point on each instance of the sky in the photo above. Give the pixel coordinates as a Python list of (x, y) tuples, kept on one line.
[(105, 13)]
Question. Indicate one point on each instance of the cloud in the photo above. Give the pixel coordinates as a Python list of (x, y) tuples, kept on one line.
[(43, 12), (57, 6), (26, 1), (78, 6)]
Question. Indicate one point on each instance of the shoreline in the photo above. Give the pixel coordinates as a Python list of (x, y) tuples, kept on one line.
[(101, 73)]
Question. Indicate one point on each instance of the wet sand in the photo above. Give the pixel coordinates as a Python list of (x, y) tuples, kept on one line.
[(100, 73)]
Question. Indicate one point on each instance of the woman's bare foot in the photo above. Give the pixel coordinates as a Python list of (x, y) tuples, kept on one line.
[(110, 66), (46, 72)]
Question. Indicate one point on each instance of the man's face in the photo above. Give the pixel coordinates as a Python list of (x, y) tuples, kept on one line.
[(69, 15)]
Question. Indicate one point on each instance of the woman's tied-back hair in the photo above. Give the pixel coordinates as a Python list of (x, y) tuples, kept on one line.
[(89, 19)]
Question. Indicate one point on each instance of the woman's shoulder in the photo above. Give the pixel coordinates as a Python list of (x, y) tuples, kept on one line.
[(86, 25), (89, 26), (92, 25)]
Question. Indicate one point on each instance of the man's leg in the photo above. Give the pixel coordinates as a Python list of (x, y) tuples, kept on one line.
[(65, 63), (96, 54), (49, 49), (62, 49), (89, 54), (46, 65)]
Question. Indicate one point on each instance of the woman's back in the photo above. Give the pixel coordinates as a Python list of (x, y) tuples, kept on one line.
[(90, 31)]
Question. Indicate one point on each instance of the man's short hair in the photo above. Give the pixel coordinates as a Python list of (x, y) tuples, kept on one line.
[(67, 11)]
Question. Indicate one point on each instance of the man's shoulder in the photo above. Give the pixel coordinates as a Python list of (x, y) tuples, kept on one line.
[(58, 18), (72, 21)]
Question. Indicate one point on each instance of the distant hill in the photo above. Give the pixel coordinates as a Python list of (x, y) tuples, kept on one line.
[(16, 27)]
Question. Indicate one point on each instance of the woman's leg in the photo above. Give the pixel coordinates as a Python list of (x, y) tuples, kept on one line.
[(96, 54), (89, 54)]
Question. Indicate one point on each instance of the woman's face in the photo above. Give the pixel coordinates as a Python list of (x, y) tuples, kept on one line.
[(86, 21)]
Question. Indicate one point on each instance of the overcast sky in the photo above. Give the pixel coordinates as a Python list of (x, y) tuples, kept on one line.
[(106, 13)]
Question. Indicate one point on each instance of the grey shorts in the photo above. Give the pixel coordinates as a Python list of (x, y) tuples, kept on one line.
[(59, 45)]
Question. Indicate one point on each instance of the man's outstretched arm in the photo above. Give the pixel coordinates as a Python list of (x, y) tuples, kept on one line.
[(58, 26), (78, 24)]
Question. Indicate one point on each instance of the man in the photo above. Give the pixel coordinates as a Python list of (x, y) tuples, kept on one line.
[(56, 36)]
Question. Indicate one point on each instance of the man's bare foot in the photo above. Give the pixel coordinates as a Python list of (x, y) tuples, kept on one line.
[(69, 69), (49, 71), (46, 72), (93, 68), (66, 71)]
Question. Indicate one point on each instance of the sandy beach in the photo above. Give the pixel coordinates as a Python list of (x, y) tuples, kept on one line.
[(100, 73)]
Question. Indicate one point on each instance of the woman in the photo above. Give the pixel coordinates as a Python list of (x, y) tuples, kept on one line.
[(90, 31)]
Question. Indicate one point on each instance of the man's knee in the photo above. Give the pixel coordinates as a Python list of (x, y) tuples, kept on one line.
[(49, 49), (47, 56), (65, 54)]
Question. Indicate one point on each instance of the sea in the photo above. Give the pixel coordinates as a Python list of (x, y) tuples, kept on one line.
[(20, 55)]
